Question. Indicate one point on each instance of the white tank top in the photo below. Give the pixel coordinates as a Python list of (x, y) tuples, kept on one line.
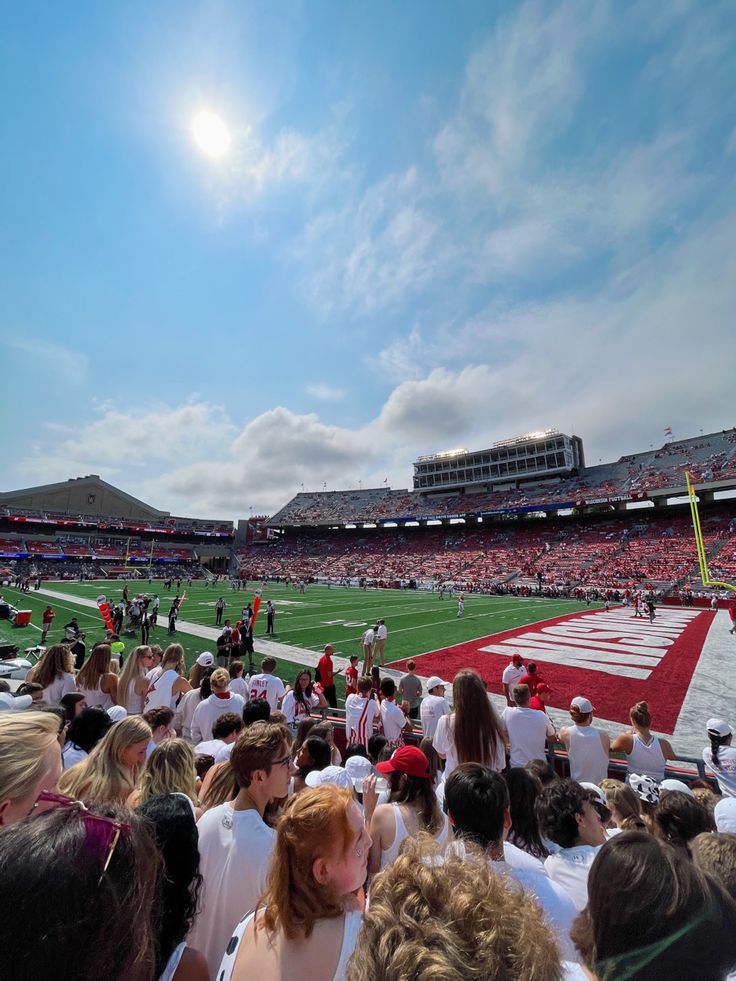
[(160, 691), (646, 760), (353, 922), (588, 759), (134, 702), (173, 962), (97, 697), (392, 852)]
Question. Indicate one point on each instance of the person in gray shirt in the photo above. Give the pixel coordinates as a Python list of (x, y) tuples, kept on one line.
[(410, 689)]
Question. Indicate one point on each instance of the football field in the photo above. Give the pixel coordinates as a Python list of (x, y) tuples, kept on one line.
[(418, 623)]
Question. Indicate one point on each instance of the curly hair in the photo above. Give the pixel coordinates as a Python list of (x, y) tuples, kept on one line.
[(556, 808), (678, 818), (451, 917), (314, 824)]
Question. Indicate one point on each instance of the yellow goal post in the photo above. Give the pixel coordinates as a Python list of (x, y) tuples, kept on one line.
[(702, 557)]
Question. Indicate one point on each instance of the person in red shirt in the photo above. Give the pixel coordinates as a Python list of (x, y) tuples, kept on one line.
[(531, 679), (327, 676), (351, 676), (539, 701)]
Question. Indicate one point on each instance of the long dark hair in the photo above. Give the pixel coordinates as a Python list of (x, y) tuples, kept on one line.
[(476, 727), (88, 728), (320, 753), (60, 855), (304, 696), (715, 744), (419, 792), (174, 829), (523, 792)]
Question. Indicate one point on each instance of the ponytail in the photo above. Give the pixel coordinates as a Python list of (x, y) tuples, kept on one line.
[(715, 744)]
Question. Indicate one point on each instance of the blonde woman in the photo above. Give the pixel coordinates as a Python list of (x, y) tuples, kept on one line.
[(54, 672), (168, 684), (112, 770), (646, 754), (97, 681), (168, 770), (133, 683), (30, 761)]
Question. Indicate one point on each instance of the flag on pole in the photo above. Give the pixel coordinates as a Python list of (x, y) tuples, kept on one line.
[(668, 430)]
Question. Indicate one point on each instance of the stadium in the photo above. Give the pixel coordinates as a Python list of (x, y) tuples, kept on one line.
[(547, 553)]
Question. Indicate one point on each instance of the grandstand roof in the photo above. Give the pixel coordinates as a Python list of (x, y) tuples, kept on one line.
[(88, 495)]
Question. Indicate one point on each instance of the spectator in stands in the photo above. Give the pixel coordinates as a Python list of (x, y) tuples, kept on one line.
[(393, 720), (133, 683), (54, 674), (167, 684), (220, 701), (360, 714), (235, 844), (412, 806), (89, 865), (524, 788), (97, 681), (679, 817), (652, 915), (646, 755), (314, 754), (720, 756), (512, 675), (312, 911), (326, 731), (302, 699), (83, 734), (473, 732), (477, 802), (715, 854), (161, 721), (567, 817), (188, 705), (451, 917), (73, 703), (624, 805), (172, 824), (30, 762), (168, 770), (111, 771), (204, 660), (434, 705), (410, 689), (267, 685), (528, 730), (587, 748), (238, 684)]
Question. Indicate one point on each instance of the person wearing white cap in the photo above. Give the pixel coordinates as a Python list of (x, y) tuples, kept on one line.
[(434, 705), (675, 785), (724, 814), (358, 768), (117, 713), (336, 775), (587, 747), (720, 756)]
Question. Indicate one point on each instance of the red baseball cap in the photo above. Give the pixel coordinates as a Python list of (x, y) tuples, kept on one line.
[(409, 760), (543, 686)]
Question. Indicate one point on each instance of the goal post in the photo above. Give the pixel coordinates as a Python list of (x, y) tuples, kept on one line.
[(699, 544)]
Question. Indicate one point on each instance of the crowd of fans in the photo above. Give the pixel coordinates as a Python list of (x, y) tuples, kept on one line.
[(159, 825)]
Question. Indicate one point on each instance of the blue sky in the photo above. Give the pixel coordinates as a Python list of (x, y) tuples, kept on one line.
[(437, 224)]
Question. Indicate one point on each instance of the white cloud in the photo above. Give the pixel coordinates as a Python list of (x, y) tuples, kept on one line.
[(402, 359), (68, 364), (325, 393)]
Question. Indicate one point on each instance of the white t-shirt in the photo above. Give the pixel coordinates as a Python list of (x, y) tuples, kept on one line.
[(510, 677), (210, 747), (61, 685), (444, 743), (369, 636), (359, 717), (239, 686), (431, 710), (209, 711), (224, 752), (296, 711), (725, 771), (569, 868), (528, 730), (161, 691), (393, 720), (382, 632), (234, 849), (559, 909), (517, 858), (267, 686)]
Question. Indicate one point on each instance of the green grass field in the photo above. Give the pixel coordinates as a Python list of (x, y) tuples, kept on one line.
[(417, 622)]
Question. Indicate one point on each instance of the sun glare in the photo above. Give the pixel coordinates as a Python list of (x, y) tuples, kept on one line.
[(210, 134)]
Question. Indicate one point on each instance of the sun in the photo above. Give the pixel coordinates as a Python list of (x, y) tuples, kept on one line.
[(211, 134)]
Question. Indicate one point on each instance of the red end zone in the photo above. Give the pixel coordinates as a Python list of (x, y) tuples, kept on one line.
[(611, 658)]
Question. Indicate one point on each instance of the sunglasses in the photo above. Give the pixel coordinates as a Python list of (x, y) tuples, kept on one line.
[(102, 833)]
